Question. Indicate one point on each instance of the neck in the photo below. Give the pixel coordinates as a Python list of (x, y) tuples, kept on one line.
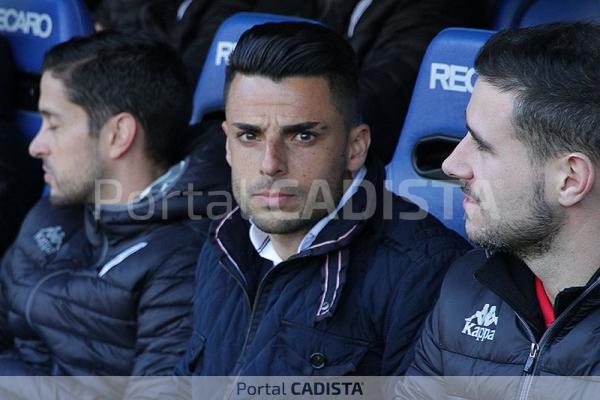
[(125, 184), (571, 262), (286, 245)]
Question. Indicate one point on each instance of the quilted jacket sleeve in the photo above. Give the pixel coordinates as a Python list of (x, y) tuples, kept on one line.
[(413, 300), (187, 364), (417, 269), (427, 359), (164, 314), (422, 363), (24, 255), (423, 378), (164, 326)]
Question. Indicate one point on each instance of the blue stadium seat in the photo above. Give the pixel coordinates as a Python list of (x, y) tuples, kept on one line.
[(546, 11), (435, 123), (508, 12), (208, 95), (32, 27), (521, 13)]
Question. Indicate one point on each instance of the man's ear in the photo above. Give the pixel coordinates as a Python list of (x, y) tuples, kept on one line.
[(575, 178), (122, 130), (227, 144), (359, 141)]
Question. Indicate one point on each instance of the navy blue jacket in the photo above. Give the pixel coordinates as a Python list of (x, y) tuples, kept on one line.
[(488, 322), (351, 303), (111, 295)]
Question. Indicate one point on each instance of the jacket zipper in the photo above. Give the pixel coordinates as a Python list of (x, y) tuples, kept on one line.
[(256, 299), (239, 282), (534, 355), (531, 359), (259, 291), (103, 252), (252, 316)]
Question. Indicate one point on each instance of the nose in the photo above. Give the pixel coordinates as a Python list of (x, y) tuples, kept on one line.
[(456, 165), (274, 158), (38, 148)]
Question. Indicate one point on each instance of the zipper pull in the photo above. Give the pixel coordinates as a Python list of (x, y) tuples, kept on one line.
[(531, 359)]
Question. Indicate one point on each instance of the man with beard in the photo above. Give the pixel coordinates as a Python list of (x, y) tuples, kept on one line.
[(527, 303), (100, 278), (319, 270)]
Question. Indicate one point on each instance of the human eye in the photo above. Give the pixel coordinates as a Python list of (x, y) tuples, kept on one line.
[(247, 137), (305, 137), (51, 124), (480, 145)]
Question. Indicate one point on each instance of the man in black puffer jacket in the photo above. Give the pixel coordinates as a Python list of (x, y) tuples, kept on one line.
[(528, 304), (100, 278), (390, 38)]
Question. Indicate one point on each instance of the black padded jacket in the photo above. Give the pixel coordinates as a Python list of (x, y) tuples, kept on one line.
[(107, 291)]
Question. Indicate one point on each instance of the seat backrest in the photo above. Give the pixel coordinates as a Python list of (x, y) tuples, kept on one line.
[(31, 28), (208, 95), (435, 123), (508, 12), (521, 13), (546, 11)]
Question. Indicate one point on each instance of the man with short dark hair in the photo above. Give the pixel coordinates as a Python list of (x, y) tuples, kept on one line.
[(390, 38), (100, 278), (319, 270), (526, 304)]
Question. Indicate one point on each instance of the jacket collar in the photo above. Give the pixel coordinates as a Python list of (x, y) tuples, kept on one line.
[(261, 240), (512, 280), (331, 244), (339, 231), (186, 191)]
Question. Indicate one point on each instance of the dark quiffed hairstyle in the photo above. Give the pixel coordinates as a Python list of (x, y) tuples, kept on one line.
[(554, 72), (108, 73), (299, 49)]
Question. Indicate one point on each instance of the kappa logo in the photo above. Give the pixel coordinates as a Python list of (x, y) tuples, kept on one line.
[(49, 239), (479, 324)]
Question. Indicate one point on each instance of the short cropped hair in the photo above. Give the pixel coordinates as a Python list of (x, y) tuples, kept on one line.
[(108, 73), (299, 49), (554, 72)]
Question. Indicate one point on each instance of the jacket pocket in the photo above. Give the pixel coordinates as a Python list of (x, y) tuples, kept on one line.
[(303, 350), (194, 352)]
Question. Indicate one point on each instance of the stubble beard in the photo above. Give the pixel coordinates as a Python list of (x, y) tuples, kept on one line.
[(278, 222), (77, 188), (528, 238)]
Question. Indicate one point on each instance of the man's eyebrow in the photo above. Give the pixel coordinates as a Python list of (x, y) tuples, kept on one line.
[(48, 113), (479, 140), (247, 127), (302, 126), (294, 128)]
